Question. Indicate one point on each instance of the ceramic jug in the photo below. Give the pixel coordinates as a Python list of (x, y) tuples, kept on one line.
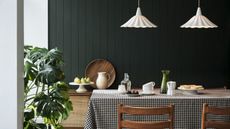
[(102, 80), (171, 87)]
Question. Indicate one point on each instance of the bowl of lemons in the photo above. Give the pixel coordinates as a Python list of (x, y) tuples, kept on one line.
[(81, 82)]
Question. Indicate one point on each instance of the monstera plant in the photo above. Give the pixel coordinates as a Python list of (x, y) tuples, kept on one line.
[(45, 93)]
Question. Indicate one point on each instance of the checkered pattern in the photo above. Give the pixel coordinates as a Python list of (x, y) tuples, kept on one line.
[(102, 112)]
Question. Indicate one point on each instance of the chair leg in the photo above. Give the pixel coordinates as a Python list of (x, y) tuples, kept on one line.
[(205, 105), (171, 117), (119, 116)]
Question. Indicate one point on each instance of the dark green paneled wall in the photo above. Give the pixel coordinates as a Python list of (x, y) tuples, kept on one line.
[(89, 29)]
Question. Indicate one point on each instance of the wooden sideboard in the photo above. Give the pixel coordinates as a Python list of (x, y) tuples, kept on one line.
[(76, 118)]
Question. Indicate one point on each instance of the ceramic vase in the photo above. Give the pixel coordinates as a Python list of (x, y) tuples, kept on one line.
[(165, 78), (102, 80)]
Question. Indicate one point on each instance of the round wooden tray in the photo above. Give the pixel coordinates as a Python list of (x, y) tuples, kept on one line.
[(100, 65)]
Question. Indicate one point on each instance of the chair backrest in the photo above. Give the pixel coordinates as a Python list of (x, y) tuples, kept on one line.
[(122, 123), (215, 111)]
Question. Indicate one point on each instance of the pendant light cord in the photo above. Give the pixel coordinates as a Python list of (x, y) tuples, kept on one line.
[(198, 3), (138, 3)]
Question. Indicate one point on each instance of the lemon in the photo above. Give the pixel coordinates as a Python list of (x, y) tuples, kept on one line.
[(83, 80), (77, 80), (87, 80)]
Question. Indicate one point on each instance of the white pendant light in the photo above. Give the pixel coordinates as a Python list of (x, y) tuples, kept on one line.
[(139, 21), (199, 21)]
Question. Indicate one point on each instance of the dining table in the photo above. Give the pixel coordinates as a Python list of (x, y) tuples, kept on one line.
[(102, 108)]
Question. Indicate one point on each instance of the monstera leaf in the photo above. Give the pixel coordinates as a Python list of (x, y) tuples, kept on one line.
[(44, 77), (33, 125), (36, 54), (30, 71), (50, 74), (55, 104), (29, 122), (54, 57)]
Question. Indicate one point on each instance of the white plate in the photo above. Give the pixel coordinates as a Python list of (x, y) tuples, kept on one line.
[(189, 89), (182, 87)]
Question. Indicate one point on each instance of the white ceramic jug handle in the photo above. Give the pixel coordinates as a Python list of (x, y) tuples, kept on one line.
[(153, 84), (108, 77)]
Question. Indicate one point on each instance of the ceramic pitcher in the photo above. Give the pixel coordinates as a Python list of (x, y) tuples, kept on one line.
[(102, 80), (171, 87)]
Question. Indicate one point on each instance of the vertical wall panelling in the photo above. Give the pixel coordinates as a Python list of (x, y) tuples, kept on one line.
[(67, 36), (90, 29)]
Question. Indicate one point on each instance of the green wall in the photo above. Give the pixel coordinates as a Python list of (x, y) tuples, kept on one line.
[(89, 29)]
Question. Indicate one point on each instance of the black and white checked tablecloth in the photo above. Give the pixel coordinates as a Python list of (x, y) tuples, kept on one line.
[(102, 110)]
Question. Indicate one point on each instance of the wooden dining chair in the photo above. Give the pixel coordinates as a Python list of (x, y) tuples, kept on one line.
[(122, 123), (215, 111)]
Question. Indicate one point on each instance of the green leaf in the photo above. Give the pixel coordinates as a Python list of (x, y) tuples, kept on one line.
[(33, 125), (43, 71), (28, 115), (49, 74)]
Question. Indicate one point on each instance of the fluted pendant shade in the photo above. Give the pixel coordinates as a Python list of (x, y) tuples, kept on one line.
[(199, 21), (138, 21)]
